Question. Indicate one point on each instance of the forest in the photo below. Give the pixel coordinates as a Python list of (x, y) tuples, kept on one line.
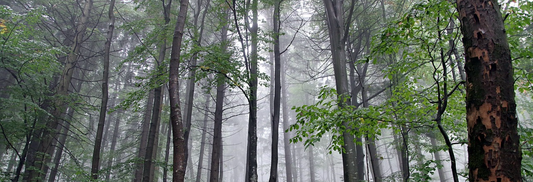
[(266, 90)]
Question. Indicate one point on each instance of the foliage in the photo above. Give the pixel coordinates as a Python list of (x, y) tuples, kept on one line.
[(28, 65), (325, 117)]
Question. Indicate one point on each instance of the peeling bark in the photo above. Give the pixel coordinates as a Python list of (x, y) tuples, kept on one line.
[(493, 147)]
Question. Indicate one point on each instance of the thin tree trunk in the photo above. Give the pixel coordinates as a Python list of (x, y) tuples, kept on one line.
[(63, 137), (311, 158), (286, 124), (216, 153), (151, 147), (105, 95), (438, 158), (191, 82), (144, 136), (217, 136), (202, 144), (277, 94), (167, 154), (251, 150), (116, 135), (180, 145)]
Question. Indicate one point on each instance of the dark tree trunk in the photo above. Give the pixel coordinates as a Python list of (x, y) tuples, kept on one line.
[(191, 82), (105, 95), (216, 153), (217, 134), (277, 94), (153, 133), (251, 150), (144, 137), (178, 138), (493, 142)]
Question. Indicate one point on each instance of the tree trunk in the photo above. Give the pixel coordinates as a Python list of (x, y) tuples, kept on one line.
[(144, 136), (277, 94), (311, 157), (39, 148), (167, 154), (335, 22), (63, 136), (493, 142), (286, 123), (438, 158), (105, 95), (202, 144), (180, 145), (251, 149), (217, 136), (116, 135), (216, 153)]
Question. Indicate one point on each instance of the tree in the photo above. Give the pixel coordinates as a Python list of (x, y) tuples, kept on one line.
[(105, 93), (277, 93), (493, 147), (337, 38), (178, 140)]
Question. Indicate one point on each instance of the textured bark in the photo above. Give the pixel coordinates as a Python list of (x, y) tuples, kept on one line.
[(180, 145), (493, 142)]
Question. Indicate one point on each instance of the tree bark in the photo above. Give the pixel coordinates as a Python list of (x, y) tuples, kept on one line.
[(493, 142), (105, 95), (178, 139)]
